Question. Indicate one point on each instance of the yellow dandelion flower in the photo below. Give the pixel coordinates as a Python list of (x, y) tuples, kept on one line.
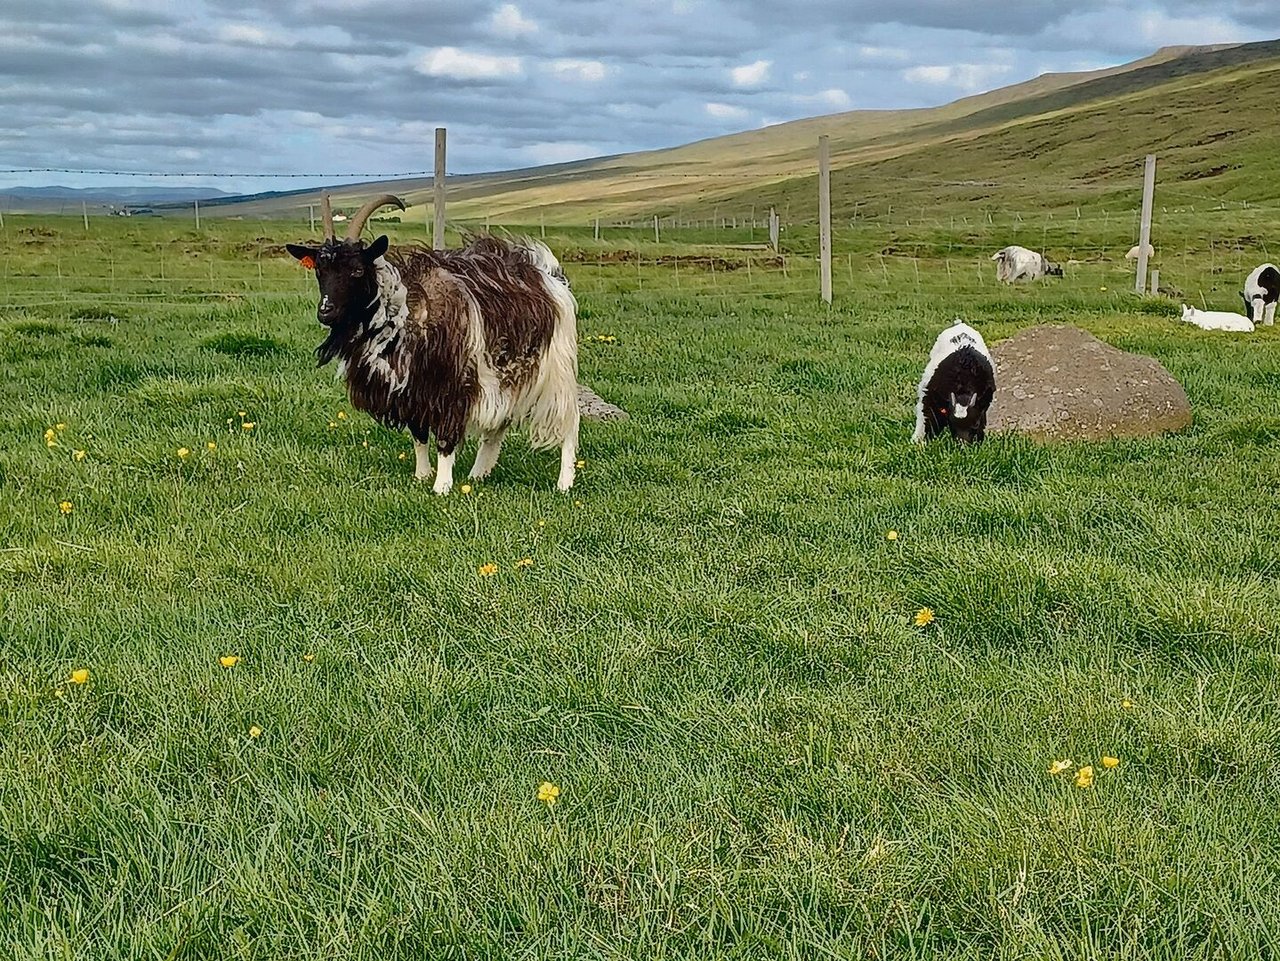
[(891, 535), (229, 660), (65, 507), (59, 426), (404, 456), (1057, 767), (79, 676), (211, 446), (248, 425), (488, 570), (577, 503), (1084, 776), (333, 425), (364, 443), (342, 415), (580, 464), (308, 658), (79, 455), (241, 413), (525, 562), (924, 617), (1127, 704), (1109, 762), (548, 793), (57, 692), (465, 488), (183, 453), (542, 523), (255, 731), (1102, 288)]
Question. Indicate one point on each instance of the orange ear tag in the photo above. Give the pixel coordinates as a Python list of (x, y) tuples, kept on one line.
[(308, 262)]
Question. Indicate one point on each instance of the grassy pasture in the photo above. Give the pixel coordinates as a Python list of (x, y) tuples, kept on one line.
[(712, 655)]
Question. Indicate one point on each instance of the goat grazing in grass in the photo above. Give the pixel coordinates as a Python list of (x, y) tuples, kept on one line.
[(1261, 291), (957, 388), (1018, 263), (451, 342)]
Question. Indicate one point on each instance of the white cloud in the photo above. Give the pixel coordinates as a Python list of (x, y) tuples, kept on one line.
[(831, 97), (466, 65), (965, 76), (1159, 30), (508, 21), (246, 34), (894, 54), (587, 71), (724, 111), (750, 74), (559, 152), (800, 76)]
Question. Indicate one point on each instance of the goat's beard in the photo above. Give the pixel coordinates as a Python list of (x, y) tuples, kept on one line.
[(343, 332)]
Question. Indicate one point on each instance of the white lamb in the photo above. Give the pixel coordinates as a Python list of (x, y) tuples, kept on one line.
[(1016, 263), (1217, 320)]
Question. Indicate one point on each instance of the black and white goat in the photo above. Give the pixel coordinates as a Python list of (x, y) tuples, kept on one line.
[(1016, 263), (1261, 291), (448, 343), (957, 388)]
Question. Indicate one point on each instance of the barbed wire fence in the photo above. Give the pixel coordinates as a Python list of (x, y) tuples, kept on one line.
[(709, 249)]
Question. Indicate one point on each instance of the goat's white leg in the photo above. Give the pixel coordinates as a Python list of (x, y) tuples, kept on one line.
[(1269, 314), (422, 461), (568, 460), (444, 471), (487, 456), (918, 436)]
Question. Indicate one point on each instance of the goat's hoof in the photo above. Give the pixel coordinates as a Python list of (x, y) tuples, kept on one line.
[(442, 489), (423, 478)]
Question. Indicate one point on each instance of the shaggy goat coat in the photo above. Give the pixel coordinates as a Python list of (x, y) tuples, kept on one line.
[(1260, 294), (1217, 320), (957, 388), (447, 343), (1016, 263)]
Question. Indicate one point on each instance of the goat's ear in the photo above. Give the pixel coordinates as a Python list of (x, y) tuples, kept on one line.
[(375, 249), (302, 253)]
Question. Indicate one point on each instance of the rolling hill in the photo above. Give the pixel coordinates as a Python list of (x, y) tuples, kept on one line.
[(1051, 143)]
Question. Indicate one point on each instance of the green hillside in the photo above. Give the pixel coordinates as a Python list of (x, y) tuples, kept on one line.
[(1052, 143)]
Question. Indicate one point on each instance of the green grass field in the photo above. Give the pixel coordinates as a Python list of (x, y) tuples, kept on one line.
[(712, 655)]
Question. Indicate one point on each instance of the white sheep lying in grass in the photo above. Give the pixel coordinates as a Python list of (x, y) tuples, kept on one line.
[(1217, 320), (1016, 263)]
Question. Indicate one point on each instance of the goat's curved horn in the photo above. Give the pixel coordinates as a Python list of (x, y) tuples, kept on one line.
[(326, 214), (361, 215)]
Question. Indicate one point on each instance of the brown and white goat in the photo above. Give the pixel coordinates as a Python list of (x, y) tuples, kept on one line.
[(448, 343)]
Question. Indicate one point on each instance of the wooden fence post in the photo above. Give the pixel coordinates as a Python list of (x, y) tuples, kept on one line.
[(824, 214), (656, 238), (1144, 232), (437, 235)]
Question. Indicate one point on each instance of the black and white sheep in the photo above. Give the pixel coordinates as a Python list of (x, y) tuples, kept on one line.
[(1261, 291), (1016, 263), (957, 388), (448, 343)]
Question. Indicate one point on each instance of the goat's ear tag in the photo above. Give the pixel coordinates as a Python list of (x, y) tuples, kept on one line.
[(308, 262)]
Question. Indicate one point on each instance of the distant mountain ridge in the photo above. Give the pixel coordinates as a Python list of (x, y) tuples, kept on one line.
[(137, 194)]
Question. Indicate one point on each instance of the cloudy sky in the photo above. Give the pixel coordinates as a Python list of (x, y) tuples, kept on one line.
[(337, 86)]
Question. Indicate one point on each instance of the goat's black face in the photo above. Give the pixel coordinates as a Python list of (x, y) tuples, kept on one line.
[(347, 278), (1054, 270)]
